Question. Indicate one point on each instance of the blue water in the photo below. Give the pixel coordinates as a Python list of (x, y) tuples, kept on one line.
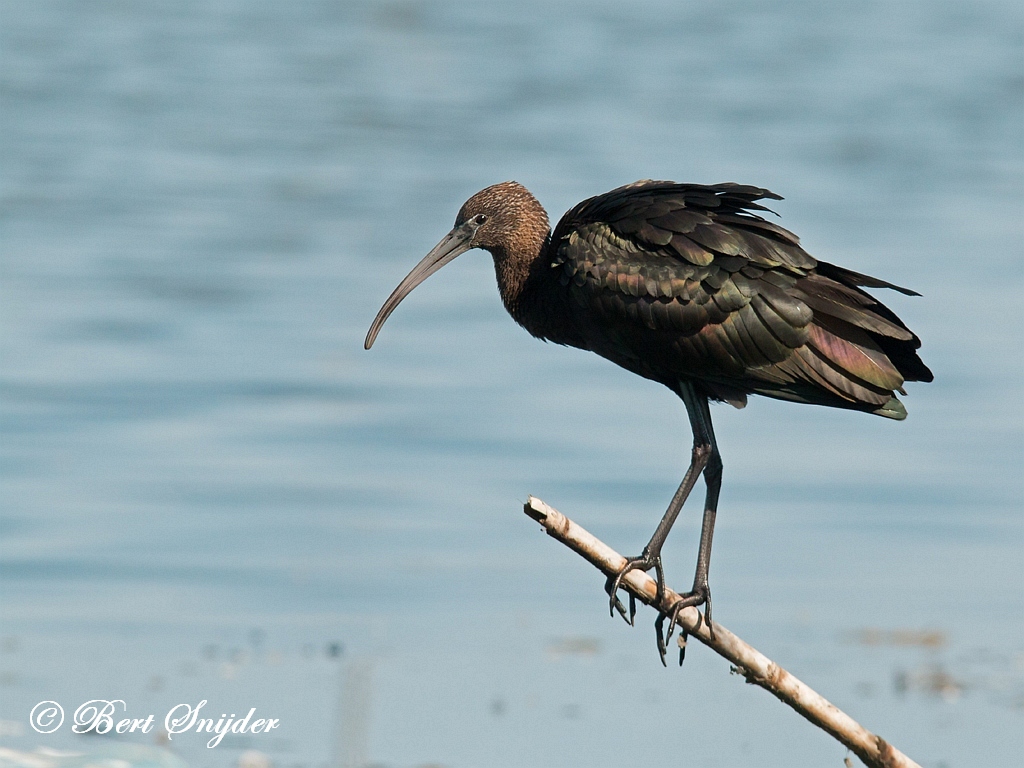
[(206, 481)]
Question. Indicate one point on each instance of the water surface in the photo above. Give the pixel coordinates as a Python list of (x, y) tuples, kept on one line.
[(207, 483)]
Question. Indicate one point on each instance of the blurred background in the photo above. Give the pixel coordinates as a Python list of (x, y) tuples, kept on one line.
[(210, 491)]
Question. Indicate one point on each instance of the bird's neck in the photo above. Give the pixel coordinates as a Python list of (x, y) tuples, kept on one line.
[(517, 265)]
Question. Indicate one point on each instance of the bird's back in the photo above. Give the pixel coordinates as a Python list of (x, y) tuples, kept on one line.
[(687, 282)]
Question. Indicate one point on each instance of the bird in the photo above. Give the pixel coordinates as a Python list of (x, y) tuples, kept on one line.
[(688, 285)]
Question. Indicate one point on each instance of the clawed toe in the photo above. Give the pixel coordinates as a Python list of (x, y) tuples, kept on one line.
[(615, 605), (700, 596), (643, 563)]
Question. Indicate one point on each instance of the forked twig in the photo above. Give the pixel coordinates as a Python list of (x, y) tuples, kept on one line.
[(873, 750)]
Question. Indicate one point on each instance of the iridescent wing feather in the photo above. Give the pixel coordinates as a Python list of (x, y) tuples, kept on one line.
[(688, 282)]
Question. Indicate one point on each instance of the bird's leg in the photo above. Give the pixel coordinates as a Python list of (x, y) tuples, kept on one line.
[(700, 594), (651, 555), (703, 449)]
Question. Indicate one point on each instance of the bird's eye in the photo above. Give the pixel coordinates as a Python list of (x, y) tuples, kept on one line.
[(479, 219)]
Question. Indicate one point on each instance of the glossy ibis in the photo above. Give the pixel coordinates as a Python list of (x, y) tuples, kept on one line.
[(687, 285)]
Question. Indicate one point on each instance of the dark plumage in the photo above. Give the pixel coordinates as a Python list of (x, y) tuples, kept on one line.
[(688, 285)]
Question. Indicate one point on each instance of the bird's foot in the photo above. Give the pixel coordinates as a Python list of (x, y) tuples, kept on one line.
[(643, 563), (700, 595)]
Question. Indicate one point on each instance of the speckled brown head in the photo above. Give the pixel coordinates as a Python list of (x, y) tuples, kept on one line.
[(504, 219)]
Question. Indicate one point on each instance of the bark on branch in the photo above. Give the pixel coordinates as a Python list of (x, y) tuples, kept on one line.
[(873, 750)]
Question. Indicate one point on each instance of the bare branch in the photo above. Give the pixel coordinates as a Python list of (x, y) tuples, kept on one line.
[(751, 663)]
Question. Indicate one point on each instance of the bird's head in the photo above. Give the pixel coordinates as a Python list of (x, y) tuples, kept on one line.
[(504, 219), (505, 215)]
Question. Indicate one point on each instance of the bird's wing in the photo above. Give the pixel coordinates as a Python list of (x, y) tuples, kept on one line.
[(685, 280), (695, 221)]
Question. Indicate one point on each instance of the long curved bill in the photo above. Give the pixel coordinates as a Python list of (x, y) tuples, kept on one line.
[(455, 242)]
